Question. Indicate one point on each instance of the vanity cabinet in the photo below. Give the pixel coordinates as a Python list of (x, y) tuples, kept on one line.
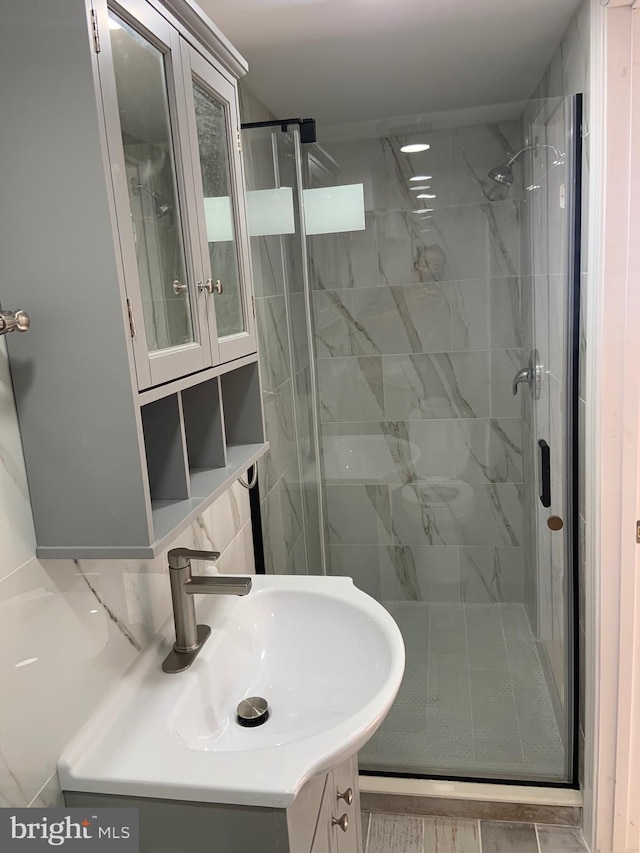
[(308, 825), (125, 238)]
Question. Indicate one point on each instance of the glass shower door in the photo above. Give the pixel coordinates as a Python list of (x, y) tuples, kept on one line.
[(287, 493), (432, 466)]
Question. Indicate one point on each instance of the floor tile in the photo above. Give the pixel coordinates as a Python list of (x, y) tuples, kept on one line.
[(508, 837), (447, 835), (391, 834), (560, 839)]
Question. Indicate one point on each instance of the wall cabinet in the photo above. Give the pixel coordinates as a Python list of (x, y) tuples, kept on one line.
[(125, 238), (324, 818)]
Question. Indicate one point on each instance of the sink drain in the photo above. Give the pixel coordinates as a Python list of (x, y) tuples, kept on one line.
[(253, 711)]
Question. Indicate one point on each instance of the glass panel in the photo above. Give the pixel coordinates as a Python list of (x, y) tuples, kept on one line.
[(430, 463), (288, 473), (216, 183), (145, 124)]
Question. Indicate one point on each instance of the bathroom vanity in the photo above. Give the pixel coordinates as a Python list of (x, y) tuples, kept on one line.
[(137, 385), (171, 745), (323, 818)]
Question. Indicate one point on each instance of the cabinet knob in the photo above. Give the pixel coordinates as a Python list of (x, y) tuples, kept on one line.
[(347, 796), (210, 286), (14, 321), (179, 288), (342, 822)]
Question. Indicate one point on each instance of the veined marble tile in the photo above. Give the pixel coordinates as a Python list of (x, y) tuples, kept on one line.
[(477, 149), (557, 425), (455, 513), (419, 573), (61, 651), (391, 451), (488, 451), (491, 575), (225, 518), (558, 326), (357, 515), (281, 434), (16, 526), (392, 172), (351, 389), (266, 264), (273, 340), (456, 243), (272, 537), (304, 419), (386, 320), (50, 796), (444, 385), (238, 558), (299, 332), (291, 508), (343, 260), (485, 314), (297, 562), (360, 562), (333, 323)]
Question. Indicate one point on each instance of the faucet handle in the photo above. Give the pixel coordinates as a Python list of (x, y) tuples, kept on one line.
[(180, 558)]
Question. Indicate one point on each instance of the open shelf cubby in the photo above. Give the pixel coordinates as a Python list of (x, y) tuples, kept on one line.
[(197, 441)]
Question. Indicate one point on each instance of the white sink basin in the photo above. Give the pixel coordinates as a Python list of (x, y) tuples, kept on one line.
[(366, 457), (327, 658)]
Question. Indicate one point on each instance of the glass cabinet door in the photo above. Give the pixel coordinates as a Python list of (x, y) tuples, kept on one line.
[(214, 128), (145, 113)]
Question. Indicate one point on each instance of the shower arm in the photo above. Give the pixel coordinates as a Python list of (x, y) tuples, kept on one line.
[(535, 147)]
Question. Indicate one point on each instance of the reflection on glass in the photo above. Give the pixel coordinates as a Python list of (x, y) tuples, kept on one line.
[(214, 165), (141, 88)]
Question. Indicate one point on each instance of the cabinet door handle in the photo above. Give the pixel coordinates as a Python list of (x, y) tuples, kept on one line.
[(210, 286), (347, 796), (179, 288), (342, 822)]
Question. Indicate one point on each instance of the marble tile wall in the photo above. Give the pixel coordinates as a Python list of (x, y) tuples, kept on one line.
[(417, 333), (288, 473), (69, 629), (547, 577)]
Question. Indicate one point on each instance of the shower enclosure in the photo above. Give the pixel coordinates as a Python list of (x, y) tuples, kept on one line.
[(421, 385)]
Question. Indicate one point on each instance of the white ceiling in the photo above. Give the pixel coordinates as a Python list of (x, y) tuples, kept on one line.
[(356, 60)]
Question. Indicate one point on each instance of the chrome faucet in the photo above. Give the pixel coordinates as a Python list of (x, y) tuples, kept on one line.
[(190, 637)]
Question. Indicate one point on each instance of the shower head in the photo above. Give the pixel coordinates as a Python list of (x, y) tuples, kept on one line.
[(502, 174)]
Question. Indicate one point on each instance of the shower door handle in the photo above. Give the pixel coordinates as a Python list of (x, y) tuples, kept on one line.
[(545, 473)]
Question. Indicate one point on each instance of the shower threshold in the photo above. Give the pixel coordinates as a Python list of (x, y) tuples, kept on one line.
[(473, 800)]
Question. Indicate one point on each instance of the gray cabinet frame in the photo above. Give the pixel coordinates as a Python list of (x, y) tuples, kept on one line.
[(74, 372)]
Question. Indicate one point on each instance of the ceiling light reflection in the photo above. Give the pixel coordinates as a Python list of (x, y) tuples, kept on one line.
[(415, 148)]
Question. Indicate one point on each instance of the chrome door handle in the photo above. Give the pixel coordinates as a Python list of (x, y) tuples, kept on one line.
[(179, 288), (531, 374), (521, 376)]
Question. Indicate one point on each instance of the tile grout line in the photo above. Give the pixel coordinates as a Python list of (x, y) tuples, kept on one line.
[(479, 836), (535, 829)]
